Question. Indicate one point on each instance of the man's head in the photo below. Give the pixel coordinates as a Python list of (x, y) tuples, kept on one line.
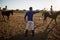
[(51, 6), (5, 6), (30, 8)]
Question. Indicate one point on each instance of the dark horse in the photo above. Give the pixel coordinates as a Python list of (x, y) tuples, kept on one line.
[(54, 16), (6, 13)]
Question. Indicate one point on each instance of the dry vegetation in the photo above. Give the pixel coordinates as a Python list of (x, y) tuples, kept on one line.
[(14, 28)]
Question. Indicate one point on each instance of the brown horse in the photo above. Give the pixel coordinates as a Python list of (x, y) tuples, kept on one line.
[(7, 13), (54, 16)]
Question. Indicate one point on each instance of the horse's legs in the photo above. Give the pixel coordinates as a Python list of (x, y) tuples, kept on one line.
[(44, 20), (55, 21), (3, 17), (7, 17)]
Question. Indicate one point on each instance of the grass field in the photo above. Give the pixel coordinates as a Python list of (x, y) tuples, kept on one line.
[(14, 28)]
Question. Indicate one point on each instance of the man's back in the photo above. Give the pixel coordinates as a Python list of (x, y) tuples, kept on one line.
[(30, 14)]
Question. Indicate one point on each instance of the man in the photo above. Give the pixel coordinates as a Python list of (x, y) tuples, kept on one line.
[(51, 10), (6, 7), (30, 14)]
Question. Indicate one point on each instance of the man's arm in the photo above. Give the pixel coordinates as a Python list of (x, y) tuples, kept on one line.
[(36, 12)]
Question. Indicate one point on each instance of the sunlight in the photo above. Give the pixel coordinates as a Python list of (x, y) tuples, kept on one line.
[(25, 4)]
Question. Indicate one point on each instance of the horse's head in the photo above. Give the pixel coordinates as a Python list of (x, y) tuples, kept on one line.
[(44, 13)]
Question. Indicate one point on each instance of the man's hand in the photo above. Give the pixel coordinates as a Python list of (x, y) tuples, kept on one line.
[(25, 21)]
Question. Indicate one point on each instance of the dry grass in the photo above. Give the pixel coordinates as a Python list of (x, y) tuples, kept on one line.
[(14, 29)]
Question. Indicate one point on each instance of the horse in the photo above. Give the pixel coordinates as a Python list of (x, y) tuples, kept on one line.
[(6, 13), (46, 14)]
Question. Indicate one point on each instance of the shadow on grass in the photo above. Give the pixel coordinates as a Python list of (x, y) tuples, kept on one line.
[(2, 20), (39, 36)]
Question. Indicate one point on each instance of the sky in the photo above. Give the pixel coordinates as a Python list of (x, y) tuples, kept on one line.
[(25, 4)]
